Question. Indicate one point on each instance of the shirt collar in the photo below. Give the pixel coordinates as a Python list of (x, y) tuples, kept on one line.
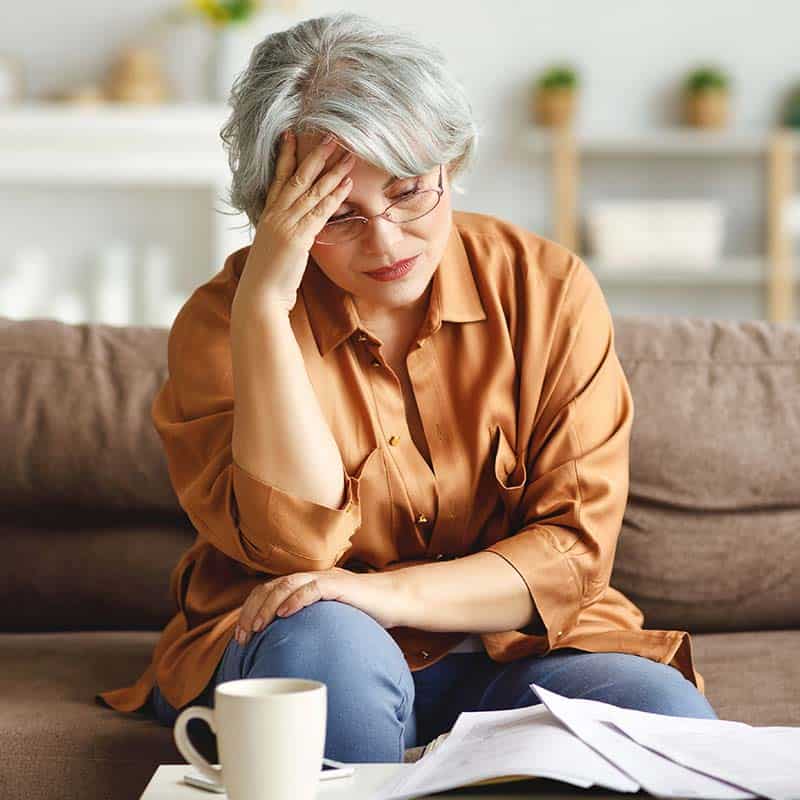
[(454, 298)]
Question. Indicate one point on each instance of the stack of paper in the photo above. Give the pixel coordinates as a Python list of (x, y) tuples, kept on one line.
[(587, 743)]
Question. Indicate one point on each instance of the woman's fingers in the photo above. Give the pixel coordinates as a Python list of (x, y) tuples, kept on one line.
[(315, 220), (307, 594), (260, 607), (284, 166), (322, 188), (304, 176), (250, 609)]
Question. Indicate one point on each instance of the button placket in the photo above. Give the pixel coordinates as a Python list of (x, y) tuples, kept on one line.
[(391, 412)]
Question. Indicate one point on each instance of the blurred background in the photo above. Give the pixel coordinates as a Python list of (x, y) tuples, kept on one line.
[(659, 140)]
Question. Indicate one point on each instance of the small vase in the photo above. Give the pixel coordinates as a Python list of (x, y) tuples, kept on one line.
[(186, 46), (554, 107), (707, 108)]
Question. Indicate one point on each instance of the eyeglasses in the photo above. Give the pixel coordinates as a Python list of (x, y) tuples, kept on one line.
[(412, 205)]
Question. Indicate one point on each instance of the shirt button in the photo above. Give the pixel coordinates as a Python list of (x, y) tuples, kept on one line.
[(421, 519), (394, 440), (424, 653)]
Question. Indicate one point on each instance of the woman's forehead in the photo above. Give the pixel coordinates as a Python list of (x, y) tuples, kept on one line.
[(306, 142)]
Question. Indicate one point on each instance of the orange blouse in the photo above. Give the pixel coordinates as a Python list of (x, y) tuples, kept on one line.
[(527, 414)]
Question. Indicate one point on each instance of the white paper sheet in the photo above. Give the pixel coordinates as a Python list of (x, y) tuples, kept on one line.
[(657, 774), (527, 741), (762, 759)]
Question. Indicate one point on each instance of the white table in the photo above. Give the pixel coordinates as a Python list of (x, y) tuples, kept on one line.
[(167, 784)]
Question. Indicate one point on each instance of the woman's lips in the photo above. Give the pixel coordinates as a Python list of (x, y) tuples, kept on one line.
[(393, 272)]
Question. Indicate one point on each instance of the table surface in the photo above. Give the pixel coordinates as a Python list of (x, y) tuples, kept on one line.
[(167, 784)]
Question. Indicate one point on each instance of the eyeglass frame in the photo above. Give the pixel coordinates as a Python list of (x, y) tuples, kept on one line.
[(439, 191)]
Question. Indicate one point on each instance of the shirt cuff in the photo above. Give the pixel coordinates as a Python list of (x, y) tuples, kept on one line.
[(550, 577), (290, 532)]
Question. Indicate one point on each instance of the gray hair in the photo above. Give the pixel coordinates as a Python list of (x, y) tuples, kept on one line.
[(386, 96)]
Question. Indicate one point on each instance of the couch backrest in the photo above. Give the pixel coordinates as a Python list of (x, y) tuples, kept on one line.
[(710, 540), (75, 427), (711, 536), (87, 512)]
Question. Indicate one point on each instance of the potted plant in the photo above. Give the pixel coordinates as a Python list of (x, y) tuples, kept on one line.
[(706, 91), (791, 111), (225, 12), (554, 101), (225, 20)]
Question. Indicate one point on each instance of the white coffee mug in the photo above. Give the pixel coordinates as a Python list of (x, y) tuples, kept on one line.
[(270, 737)]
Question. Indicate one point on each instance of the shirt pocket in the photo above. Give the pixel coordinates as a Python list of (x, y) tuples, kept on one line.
[(510, 473)]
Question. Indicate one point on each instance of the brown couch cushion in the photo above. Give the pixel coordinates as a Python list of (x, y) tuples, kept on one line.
[(108, 573), (711, 536), (75, 426), (56, 740), (751, 677)]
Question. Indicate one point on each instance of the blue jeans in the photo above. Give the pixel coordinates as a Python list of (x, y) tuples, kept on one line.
[(377, 707)]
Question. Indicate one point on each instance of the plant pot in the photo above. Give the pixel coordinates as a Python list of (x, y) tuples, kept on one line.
[(707, 108), (554, 107)]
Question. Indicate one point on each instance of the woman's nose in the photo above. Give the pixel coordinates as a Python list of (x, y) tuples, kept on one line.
[(382, 235)]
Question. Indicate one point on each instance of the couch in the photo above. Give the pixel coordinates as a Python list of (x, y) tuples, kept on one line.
[(91, 530)]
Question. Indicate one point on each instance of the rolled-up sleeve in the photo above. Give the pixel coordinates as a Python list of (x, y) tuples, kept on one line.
[(250, 521), (576, 461)]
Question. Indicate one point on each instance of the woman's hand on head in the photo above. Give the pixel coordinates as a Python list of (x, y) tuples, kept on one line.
[(299, 202), (376, 593)]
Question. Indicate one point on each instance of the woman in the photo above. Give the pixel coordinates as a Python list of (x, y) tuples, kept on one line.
[(417, 493)]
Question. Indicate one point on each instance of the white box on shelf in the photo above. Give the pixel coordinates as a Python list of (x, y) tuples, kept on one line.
[(155, 283), (632, 234), (24, 289), (792, 216), (112, 287), (69, 307)]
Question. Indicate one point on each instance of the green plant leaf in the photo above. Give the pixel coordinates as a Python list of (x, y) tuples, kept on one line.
[(559, 76), (706, 78)]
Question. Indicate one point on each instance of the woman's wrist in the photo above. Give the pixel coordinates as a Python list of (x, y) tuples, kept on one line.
[(394, 585)]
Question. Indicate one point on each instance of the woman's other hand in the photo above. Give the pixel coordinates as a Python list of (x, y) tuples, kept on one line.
[(379, 594), (299, 203)]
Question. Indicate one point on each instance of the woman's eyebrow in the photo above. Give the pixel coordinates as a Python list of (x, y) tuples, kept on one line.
[(385, 186)]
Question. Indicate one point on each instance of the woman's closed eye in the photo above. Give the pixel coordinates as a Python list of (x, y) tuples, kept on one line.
[(393, 200)]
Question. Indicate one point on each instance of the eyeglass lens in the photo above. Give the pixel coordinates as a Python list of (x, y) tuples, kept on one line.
[(406, 209)]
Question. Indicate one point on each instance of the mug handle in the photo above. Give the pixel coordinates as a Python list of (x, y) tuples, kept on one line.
[(187, 749)]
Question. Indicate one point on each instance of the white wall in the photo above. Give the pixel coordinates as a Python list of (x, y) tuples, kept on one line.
[(632, 55)]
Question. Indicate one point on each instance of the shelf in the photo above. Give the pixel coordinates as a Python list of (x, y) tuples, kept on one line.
[(776, 148), (168, 118), (730, 272), (113, 143), (663, 142), (117, 145)]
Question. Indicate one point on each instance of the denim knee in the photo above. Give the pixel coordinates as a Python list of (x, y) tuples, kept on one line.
[(325, 636), (621, 679), (636, 682), (370, 687)]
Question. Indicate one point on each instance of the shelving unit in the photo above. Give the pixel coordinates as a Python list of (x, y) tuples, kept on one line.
[(178, 146), (778, 148), (118, 145)]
